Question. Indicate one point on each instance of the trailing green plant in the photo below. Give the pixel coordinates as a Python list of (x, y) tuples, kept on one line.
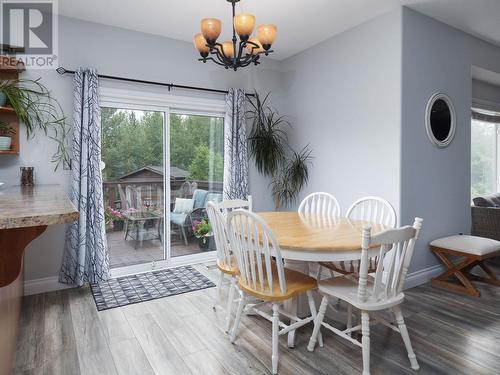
[(274, 158), (267, 136), (37, 109), (6, 130)]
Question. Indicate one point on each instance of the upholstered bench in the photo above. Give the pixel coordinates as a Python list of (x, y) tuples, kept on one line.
[(460, 254)]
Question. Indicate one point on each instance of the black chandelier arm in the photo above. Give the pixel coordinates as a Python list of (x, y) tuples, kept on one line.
[(254, 45), (244, 61), (240, 49), (205, 59), (222, 58), (248, 62), (219, 52)]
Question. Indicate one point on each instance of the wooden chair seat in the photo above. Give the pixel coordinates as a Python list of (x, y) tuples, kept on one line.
[(228, 270), (460, 254), (296, 283)]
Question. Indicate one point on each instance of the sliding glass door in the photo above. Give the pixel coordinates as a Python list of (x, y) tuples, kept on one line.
[(162, 160), (196, 175), (134, 194)]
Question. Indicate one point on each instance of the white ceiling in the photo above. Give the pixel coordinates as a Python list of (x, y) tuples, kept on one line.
[(301, 24)]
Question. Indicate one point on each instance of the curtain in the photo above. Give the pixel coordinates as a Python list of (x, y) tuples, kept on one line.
[(85, 255), (235, 146)]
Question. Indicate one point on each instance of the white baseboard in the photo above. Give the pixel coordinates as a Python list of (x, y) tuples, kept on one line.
[(50, 284), (43, 285), (422, 276)]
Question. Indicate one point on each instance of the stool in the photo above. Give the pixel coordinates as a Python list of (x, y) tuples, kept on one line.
[(469, 252)]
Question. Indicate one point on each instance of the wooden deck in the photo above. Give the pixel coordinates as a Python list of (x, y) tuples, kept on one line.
[(62, 333), (123, 252)]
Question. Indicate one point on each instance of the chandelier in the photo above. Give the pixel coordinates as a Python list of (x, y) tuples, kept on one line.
[(236, 53)]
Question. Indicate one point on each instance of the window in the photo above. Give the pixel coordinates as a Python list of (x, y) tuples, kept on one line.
[(163, 160), (484, 152)]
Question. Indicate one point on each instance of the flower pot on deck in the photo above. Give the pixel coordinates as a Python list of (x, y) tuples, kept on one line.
[(117, 225)]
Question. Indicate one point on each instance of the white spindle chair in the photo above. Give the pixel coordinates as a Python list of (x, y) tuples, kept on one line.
[(384, 293), (323, 204), (320, 203), (265, 278), (226, 263), (232, 204), (372, 209)]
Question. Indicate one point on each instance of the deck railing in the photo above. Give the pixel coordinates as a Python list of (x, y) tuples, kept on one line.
[(151, 191)]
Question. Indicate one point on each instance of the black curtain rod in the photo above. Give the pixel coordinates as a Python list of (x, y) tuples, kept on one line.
[(62, 71)]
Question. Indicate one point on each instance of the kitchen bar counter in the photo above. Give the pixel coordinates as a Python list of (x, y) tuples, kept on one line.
[(25, 213), (35, 206)]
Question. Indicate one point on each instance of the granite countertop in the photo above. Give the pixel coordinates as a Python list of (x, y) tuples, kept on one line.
[(38, 205)]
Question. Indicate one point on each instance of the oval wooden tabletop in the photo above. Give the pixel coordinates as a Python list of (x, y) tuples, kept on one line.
[(295, 231)]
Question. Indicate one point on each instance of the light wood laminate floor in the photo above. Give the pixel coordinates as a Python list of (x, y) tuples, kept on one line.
[(63, 333)]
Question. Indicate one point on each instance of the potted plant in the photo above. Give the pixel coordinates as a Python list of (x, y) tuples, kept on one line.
[(203, 232), (274, 158), (3, 98), (6, 133), (114, 217), (38, 110)]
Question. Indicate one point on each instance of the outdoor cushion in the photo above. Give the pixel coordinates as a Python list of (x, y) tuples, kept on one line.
[(183, 205), (199, 197), (492, 200), (213, 197), (178, 219), (468, 244)]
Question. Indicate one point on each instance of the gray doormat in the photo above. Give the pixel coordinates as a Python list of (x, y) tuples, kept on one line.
[(127, 290)]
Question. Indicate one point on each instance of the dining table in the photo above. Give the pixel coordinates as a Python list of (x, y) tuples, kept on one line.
[(306, 239)]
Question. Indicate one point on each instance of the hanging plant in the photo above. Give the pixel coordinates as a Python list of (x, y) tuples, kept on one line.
[(37, 109), (274, 158)]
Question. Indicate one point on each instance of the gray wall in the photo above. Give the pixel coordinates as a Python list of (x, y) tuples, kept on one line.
[(344, 98), (435, 183), (125, 53)]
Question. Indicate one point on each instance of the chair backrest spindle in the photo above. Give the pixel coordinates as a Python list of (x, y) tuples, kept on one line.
[(217, 213), (373, 209), (320, 203), (402, 241), (219, 229), (255, 245)]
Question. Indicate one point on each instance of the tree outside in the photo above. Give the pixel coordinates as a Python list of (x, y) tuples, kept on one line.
[(134, 139), (483, 154)]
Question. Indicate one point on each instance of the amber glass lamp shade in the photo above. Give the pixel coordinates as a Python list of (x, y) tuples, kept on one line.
[(266, 35), (210, 28), (228, 49), (244, 24), (201, 44), (252, 49)]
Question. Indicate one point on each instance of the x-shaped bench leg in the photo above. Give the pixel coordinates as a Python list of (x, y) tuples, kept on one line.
[(491, 279), (459, 270)]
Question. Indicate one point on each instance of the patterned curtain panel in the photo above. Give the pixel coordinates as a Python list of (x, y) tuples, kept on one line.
[(235, 146), (86, 255)]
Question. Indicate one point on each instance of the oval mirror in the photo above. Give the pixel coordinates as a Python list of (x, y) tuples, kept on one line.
[(440, 120)]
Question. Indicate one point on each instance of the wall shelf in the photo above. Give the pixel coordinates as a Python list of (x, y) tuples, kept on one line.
[(10, 67), (7, 110)]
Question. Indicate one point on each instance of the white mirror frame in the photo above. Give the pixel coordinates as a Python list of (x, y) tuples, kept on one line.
[(451, 134)]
